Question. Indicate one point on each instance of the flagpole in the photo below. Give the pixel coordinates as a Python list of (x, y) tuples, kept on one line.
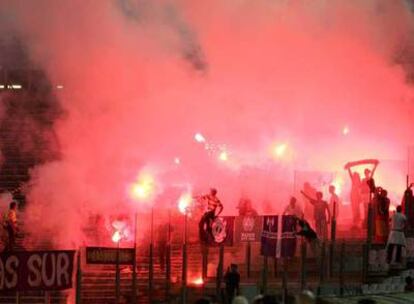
[(184, 268)]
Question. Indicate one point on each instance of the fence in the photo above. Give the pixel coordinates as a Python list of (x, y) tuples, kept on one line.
[(182, 270)]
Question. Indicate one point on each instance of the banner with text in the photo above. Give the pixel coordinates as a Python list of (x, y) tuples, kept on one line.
[(36, 270), (278, 236), (288, 243), (248, 228), (110, 255), (269, 235)]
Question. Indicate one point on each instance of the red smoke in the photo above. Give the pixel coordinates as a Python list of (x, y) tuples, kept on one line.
[(139, 83)]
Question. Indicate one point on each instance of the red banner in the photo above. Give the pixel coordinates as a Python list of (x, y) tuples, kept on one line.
[(36, 270)]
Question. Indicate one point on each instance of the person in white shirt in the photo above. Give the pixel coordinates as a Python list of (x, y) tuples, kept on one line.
[(293, 208), (396, 238)]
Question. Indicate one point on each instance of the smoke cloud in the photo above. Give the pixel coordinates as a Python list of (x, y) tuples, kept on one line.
[(140, 78)]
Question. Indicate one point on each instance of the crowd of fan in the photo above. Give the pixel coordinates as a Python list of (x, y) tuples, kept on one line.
[(233, 295), (306, 297)]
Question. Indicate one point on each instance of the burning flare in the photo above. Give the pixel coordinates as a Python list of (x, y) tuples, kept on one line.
[(223, 156), (199, 138), (116, 237), (198, 281), (279, 150), (184, 202), (143, 188), (345, 130)]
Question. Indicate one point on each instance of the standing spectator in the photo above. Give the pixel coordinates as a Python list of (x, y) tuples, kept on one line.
[(381, 204), (320, 208), (334, 202), (409, 285), (408, 207), (356, 198), (293, 208), (367, 189), (10, 225), (361, 190), (396, 238), (307, 206), (163, 232), (246, 208), (214, 209), (232, 280)]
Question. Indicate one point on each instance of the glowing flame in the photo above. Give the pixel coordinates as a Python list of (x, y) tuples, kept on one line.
[(338, 182), (199, 138), (143, 188), (345, 130), (184, 202), (116, 237), (177, 161), (279, 150), (121, 230), (223, 156), (198, 281), (392, 208)]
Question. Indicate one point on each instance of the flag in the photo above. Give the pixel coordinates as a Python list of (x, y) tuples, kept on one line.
[(288, 242), (248, 228), (222, 231), (269, 235)]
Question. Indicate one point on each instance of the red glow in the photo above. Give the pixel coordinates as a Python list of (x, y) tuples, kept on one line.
[(294, 95), (198, 281)]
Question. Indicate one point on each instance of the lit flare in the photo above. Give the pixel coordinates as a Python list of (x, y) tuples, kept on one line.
[(184, 202), (223, 156), (143, 188), (199, 138), (116, 237)]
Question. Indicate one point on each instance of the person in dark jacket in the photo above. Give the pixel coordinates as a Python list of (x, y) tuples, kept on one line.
[(408, 208), (409, 284), (232, 280), (309, 234)]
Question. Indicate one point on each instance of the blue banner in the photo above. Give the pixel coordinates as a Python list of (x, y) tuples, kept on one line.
[(288, 246), (269, 235)]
